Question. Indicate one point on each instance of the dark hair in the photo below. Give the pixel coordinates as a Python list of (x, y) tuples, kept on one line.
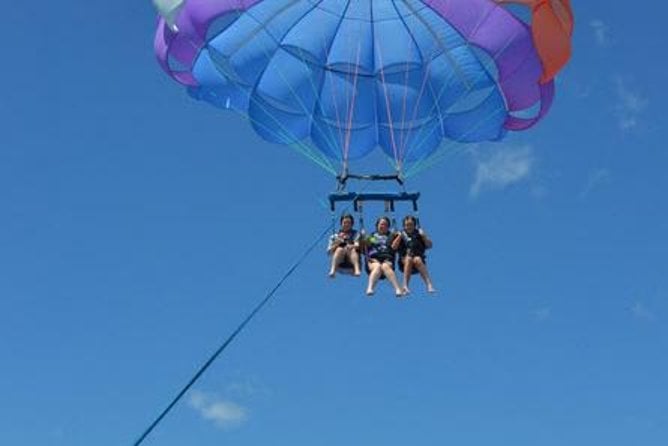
[(412, 218), (387, 219), (344, 216)]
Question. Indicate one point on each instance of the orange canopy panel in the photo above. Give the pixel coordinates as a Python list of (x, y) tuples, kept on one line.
[(552, 27)]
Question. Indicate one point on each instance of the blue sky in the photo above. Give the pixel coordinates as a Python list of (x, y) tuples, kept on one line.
[(138, 227)]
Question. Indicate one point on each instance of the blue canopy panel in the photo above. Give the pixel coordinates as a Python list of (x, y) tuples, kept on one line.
[(215, 87), (349, 76)]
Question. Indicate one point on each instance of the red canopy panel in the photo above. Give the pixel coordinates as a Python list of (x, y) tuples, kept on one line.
[(552, 28)]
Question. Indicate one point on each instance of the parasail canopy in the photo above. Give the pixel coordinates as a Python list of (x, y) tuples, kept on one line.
[(337, 79)]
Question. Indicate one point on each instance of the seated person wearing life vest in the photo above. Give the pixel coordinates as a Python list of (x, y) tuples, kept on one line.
[(381, 252), (414, 242), (344, 248)]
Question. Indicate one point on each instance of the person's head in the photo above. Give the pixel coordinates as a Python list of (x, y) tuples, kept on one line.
[(383, 225), (347, 221), (410, 223)]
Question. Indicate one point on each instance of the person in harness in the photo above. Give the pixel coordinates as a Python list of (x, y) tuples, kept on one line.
[(381, 253), (412, 258), (344, 248)]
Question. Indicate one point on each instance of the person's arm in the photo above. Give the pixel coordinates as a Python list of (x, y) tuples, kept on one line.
[(425, 238), (357, 241), (334, 243), (396, 242), (363, 240)]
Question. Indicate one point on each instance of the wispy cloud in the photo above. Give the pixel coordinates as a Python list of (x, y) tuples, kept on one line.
[(542, 314), (601, 32), (640, 311), (597, 178), (630, 104), (502, 168), (225, 414)]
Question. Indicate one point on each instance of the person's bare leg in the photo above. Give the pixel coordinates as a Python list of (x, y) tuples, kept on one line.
[(408, 271), (389, 275), (374, 275), (337, 258), (354, 258), (424, 272)]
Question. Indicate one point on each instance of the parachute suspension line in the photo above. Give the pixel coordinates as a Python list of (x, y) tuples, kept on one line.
[(397, 160), (297, 145), (425, 78), (231, 338), (339, 120), (456, 68), (468, 83), (351, 111), (305, 149), (302, 148), (359, 207), (416, 107), (444, 151), (441, 154), (467, 132), (437, 39), (404, 141), (333, 212), (329, 137), (416, 214), (339, 127), (389, 210), (314, 88)]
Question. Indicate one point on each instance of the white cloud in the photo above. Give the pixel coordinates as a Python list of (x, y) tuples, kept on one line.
[(640, 311), (601, 32), (224, 414), (630, 105), (502, 168), (542, 314), (597, 178)]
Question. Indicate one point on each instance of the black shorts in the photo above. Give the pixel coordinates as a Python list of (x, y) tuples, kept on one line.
[(414, 270), (381, 260), (346, 267)]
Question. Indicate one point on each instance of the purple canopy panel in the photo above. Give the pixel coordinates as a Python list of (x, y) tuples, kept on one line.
[(546, 97), (192, 23), (509, 42)]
